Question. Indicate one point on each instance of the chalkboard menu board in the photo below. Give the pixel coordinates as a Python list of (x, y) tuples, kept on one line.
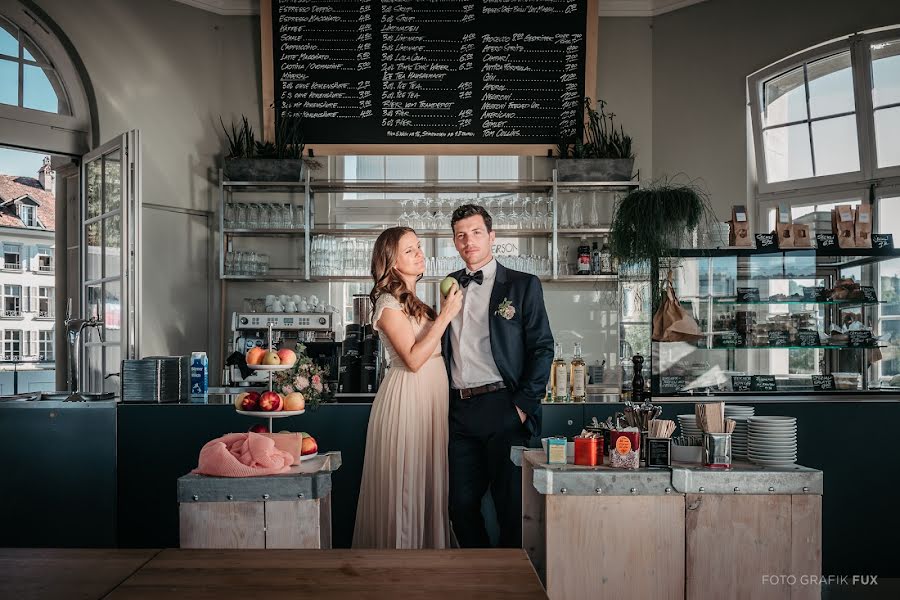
[(429, 71)]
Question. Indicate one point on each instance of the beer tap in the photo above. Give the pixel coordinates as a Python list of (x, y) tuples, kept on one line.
[(74, 327)]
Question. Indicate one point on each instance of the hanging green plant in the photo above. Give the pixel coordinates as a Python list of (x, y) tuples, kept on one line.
[(657, 220)]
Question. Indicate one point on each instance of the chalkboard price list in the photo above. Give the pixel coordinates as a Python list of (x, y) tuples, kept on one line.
[(411, 71)]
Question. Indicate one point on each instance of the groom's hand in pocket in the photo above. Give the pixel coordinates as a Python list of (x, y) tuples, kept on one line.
[(522, 415)]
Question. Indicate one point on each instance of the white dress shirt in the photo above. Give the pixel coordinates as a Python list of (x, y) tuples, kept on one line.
[(471, 360)]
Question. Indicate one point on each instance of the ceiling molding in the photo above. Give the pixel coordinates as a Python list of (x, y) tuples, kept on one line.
[(228, 8), (608, 8)]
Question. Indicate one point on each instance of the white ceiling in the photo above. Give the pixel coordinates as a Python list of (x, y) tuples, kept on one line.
[(608, 8)]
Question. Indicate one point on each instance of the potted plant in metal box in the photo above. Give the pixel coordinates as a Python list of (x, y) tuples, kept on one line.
[(249, 159), (657, 220), (604, 154)]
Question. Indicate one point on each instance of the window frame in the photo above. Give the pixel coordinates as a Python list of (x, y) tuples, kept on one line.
[(755, 89), (7, 341), (45, 345), (32, 211), (12, 248), (16, 314), (869, 39)]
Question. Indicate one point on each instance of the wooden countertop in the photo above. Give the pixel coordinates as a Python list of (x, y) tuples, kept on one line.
[(271, 574)]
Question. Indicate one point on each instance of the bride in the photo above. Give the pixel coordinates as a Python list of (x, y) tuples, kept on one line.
[(403, 496)]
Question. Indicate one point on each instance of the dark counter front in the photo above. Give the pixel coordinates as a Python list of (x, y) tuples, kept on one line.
[(100, 474), (59, 484)]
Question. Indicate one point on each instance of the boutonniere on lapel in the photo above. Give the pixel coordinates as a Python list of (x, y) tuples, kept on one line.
[(506, 310)]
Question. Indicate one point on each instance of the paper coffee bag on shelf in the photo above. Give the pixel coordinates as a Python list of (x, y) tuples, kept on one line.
[(863, 226), (784, 229), (842, 224), (739, 227), (802, 238)]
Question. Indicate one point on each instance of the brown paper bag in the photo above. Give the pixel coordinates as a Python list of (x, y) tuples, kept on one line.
[(842, 224), (672, 323), (784, 234), (863, 226), (739, 227), (801, 236)]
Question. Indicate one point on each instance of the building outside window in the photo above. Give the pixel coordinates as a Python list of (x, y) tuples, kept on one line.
[(45, 260), (28, 216), (12, 257), (45, 346), (45, 298), (12, 300), (12, 344)]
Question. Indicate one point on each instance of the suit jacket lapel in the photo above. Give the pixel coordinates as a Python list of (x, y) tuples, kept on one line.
[(500, 291), (446, 339)]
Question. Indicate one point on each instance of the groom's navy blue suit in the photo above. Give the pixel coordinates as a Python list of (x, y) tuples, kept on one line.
[(483, 428)]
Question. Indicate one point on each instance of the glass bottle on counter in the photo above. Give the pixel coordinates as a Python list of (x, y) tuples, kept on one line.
[(559, 377), (606, 265), (583, 266), (595, 260), (578, 368)]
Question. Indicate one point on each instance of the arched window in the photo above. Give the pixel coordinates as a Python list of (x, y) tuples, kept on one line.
[(44, 99), (27, 78), (828, 115)]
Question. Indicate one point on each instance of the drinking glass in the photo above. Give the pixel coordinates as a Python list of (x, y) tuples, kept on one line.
[(577, 218), (264, 264), (594, 219), (527, 215), (229, 263), (229, 215), (562, 207), (241, 221)]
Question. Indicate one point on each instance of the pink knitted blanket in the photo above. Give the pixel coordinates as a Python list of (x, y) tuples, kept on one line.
[(242, 455)]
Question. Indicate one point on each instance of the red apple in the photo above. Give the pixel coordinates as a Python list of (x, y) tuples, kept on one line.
[(249, 401), (288, 357), (270, 401), (308, 445), (259, 428)]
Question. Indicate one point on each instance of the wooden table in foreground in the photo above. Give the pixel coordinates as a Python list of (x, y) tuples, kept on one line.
[(271, 574), (66, 574)]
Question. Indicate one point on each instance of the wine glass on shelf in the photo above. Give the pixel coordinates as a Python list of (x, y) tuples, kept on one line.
[(562, 207), (404, 213), (527, 216)]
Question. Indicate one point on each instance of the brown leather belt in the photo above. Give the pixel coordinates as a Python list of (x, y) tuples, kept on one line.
[(481, 389)]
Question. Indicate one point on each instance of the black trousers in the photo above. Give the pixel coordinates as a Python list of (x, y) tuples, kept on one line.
[(482, 430)]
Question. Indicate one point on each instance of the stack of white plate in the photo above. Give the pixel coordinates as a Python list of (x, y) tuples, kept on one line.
[(772, 441), (739, 438), (688, 425)]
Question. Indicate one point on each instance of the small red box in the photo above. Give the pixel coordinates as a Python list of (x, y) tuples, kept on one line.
[(588, 451)]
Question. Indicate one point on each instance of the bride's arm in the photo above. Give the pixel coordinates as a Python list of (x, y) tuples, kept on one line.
[(396, 326)]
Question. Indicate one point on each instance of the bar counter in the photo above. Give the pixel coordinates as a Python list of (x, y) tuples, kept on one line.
[(116, 468), (679, 532)]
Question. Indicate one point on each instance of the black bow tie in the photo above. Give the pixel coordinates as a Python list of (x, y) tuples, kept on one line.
[(465, 279)]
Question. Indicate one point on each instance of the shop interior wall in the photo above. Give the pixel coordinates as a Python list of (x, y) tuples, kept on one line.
[(701, 57), (170, 70)]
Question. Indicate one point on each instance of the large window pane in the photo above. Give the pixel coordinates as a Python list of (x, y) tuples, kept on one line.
[(785, 99), (887, 141), (9, 45), (787, 152), (112, 181), (499, 167), (94, 265), (112, 313), (404, 167), (37, 91), (112, 242), (830, 86), (9, 82), (93, 189), (886, 72), (458, 167), (835, 145)]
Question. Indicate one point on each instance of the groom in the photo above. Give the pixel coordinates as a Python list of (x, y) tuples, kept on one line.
[(498, 351)]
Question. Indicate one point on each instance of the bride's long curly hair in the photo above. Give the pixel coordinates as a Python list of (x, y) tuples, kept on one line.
[(386, 278)]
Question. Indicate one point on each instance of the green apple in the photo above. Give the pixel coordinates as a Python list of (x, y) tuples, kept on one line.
[(447, 284)]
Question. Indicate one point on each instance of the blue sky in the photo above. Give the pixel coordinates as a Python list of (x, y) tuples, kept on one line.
[(20, 162)]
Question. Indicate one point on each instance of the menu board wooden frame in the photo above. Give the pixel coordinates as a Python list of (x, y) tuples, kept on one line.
[(268, 102)]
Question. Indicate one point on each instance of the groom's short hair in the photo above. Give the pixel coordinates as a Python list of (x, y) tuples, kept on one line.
[(470, 210)]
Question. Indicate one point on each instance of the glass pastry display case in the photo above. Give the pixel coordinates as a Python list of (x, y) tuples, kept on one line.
[(786, 323)]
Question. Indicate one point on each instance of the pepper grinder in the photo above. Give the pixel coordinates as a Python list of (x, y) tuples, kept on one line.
[(637, 380)]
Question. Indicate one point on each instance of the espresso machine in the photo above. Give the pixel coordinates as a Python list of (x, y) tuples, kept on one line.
[(315, 330)]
